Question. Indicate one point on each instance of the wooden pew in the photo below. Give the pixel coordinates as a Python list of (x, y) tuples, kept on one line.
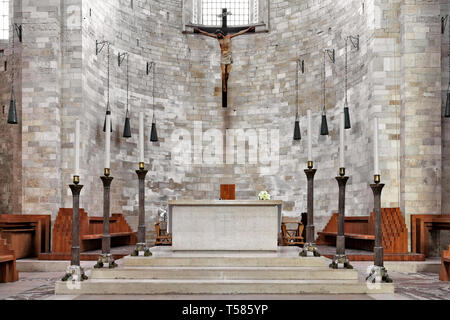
[(444, 275), (421, 225), (28, 235), (91, 232), (8, 271), (359, 232)]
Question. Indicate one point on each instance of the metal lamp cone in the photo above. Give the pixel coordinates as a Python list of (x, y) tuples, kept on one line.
[(104, 124), (324, 127), (348, 124), (154, 134), (12, 115), (127, 128), (297, 133), (447, 106)]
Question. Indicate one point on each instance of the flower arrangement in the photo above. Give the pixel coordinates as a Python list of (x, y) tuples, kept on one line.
[(264, 195)]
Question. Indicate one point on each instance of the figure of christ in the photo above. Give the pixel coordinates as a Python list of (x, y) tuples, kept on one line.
[(225, 48)]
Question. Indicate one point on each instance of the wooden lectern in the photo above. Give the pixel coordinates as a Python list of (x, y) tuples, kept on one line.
[(227, 192)]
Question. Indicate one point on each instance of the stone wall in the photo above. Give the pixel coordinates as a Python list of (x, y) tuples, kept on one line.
[(11, 140), (63, 79)]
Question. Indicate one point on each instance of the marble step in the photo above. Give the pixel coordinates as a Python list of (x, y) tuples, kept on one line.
[(149, 287), (229, 273), (224, 262)]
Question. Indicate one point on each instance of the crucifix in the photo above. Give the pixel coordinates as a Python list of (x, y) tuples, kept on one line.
[(224, 36)]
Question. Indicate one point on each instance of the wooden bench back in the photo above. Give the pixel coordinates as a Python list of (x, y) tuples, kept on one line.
[(62, 229), (394, 231)]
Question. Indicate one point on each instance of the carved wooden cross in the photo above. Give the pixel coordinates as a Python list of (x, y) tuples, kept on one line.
[(210, 31)]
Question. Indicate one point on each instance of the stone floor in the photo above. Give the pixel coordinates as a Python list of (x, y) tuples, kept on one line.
[(409, 286)]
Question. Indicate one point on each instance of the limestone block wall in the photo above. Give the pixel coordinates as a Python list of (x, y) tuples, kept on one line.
[(396, 75), (445, 52), (262, 96), (421, 116), (11, 139)]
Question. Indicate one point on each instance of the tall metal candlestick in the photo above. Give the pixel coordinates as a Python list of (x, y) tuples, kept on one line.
[(141, 247), (378, 273), (310, 249), (106, 257), (74, 271), (341, 258)]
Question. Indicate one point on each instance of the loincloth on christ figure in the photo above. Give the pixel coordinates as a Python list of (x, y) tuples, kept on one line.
[(226, 58)]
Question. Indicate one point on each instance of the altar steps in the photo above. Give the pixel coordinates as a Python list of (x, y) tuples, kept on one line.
[(226, 274), (231, 261), (222, 273), (150, 287)]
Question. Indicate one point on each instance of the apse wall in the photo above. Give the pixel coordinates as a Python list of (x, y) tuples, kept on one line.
[(262, 97)]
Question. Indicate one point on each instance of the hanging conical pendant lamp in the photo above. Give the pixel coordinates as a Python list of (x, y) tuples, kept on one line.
[(12, 114), (297, 133), (154, 134), (447, 106), (324, 126), (104, 123), (347, 118), (127, 127)]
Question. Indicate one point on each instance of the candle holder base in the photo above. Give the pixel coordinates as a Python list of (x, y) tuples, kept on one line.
[(141, 250), (340, 260), (74, 274), (106, 259), (378, 274), (310, 250)]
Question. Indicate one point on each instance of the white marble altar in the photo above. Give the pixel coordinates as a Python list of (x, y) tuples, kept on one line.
[(221, 225)]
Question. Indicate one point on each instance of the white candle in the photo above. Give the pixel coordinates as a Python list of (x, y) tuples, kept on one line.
[(310, 157), (77, 148), (342, 136), (375, 148), (141, 137), (108, 142)]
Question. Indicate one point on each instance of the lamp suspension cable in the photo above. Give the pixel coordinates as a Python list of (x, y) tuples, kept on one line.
[(447, 105), (324, 84), (297, 131), (346, 72)]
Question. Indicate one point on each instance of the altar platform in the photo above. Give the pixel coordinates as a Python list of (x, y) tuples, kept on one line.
[(168, 272)]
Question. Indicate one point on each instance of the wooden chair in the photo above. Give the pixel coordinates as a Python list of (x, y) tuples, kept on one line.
[(444, 275), (162, 237), (292, 236), (8, 272)]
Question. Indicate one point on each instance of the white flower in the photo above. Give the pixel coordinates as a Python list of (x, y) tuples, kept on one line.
[(264, 195)]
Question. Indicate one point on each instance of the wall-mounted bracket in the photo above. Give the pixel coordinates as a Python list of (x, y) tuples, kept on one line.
[(150, 65), (18, 30), (444, 21), (301, 64), (354, 41), (331, 54), (99, 45), (121, 57)]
